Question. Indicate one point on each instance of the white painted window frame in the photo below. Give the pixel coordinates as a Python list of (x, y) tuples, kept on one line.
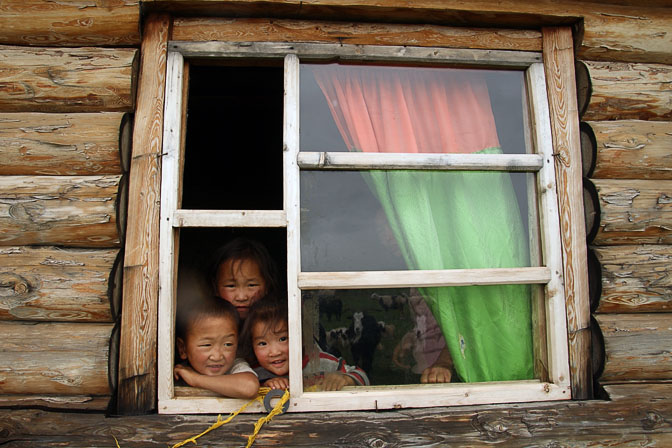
[(375, 397)]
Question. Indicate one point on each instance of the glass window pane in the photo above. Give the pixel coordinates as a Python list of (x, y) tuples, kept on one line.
[(479, 333), (369, 108), (397, 220)]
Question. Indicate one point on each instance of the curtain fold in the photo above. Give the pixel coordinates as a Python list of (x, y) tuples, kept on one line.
[(443, 219)]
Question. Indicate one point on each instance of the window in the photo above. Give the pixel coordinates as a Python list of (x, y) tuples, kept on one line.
[(417, 184)]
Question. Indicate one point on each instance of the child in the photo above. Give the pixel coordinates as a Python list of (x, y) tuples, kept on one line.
[(242, 273), (207, 338), (266, 331)]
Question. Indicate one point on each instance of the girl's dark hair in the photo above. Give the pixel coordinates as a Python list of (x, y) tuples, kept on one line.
[(268, 310), (208, 306), (242, 248)]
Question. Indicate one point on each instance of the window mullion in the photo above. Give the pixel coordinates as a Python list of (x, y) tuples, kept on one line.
[(292, 210), (170, 175), (556, 330)]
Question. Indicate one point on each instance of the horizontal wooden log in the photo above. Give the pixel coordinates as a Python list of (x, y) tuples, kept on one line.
[(634, 212), (47, 23), (62, 144), (279, 30), (636, 32), (53, 284), (57, 402), (637, 346), (635, 279), (67, 79), (628, 149), (636, 415), (54, 358), (628, 91), (59, 210)]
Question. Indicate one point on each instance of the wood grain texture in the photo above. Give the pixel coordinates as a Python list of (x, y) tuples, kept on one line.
[(630, 149), (137, 351), (66, 403), (635, 416), (634, 211), (559, 66), (67, 79), (637, 346), (56, 284), (60, 144), (629, 91), (630, 33), (76, 211), (635, 279), (54, 358), (71, 23), (282, 30)]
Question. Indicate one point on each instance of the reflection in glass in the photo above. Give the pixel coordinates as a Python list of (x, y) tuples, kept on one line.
[(345, 227), (411, 109), (394, 335)]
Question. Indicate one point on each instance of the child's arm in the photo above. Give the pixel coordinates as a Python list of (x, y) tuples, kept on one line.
[(343, 374), (337, 381), (234, 385)]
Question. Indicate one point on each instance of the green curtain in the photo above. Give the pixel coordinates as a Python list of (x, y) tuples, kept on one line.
[(465, 220)]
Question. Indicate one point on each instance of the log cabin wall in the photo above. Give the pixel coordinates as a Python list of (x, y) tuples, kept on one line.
[(67, 94), (67, 85), (627, 151)]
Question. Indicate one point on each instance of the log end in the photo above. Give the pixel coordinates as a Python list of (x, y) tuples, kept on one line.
[(591, 209), (588, 149), (584, 86)]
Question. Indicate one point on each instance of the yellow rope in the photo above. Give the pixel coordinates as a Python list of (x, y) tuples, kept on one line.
[(277, 409)]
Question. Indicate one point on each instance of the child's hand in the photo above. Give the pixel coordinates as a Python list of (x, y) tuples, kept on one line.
[(277, 383), (188, 374), (436, 374), (336, 381)]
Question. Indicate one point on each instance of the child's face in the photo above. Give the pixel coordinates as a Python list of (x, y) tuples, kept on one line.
[(210, 345), (271, 347), (240, 282)]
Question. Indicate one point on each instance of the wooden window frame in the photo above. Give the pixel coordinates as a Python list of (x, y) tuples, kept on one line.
[(557, 384)]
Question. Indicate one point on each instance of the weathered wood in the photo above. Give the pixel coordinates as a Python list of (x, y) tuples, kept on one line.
[(59, 210), (397, 279), (136, 392), (637, 346), (229, 218), (634, 211), (370, 53), (628, 149), (262, 30), (635, 279), (67, 79), (591, 209), (635, 416), (436, 161), (54, 358), (61, 144), (559, 66), (56, 402), (54, 284), (48, 23), (636, 32), (629, 91)]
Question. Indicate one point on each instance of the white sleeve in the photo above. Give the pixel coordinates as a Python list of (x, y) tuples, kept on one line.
[(240, 366)]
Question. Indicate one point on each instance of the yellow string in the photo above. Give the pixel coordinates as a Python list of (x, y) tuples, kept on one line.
[(277, 409)]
